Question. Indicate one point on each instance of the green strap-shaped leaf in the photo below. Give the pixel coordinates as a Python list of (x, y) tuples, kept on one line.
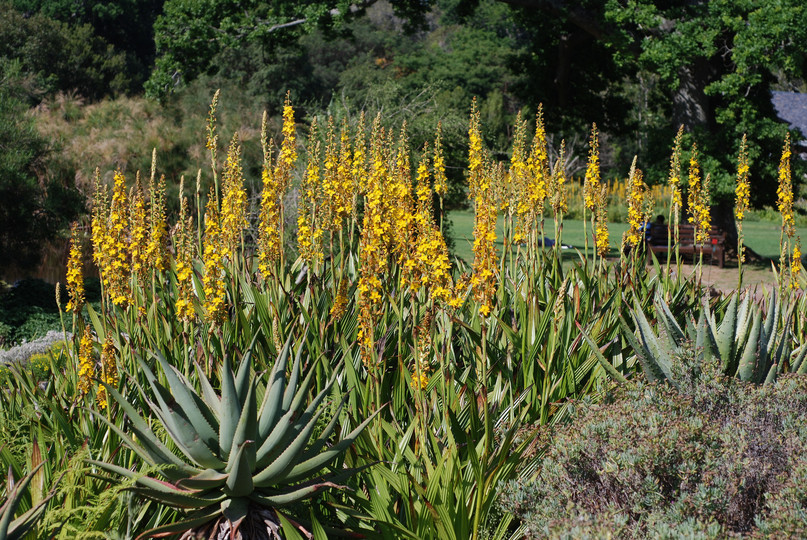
[(14, 499), (609, 368)]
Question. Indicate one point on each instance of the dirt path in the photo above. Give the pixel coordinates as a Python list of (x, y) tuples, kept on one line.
[(725, 279)]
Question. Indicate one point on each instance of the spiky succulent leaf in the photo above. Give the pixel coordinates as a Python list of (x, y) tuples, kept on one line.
[(247, 429), (286, 428), (288, 397), (230, 411), (272, 404), (306, 468), (704, 338), (239, 483), (196, 519), (175, 420), (751, 352), (207, 479), (275, 463), (194, 408), (208, 394), (149, 448), (725, 335), (287, 456), (651, 364)]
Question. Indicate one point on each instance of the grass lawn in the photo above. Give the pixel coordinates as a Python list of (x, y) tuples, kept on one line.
[(761, 236)]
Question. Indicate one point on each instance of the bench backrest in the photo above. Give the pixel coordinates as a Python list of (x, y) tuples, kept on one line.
[(657, 235)]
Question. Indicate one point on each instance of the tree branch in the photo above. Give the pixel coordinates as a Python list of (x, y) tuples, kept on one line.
[(583, 19)]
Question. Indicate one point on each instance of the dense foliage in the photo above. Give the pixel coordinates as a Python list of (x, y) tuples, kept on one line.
[(714, 458)]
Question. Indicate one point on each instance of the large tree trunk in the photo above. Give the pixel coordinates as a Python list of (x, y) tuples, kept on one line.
[(690, 104)]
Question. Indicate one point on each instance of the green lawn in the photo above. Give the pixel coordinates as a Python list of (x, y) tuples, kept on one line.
[(761, 236)]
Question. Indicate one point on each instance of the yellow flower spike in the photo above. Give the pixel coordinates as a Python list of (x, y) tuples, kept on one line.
[(601, 220), (439, 164), (114, 246), (538, 164), (288, 148), (100, 209), (784, 191), (215, 304), (373, 245), (795, 264), (138, 225), (309, 233), (359, 165), (75, 278), (636, 195), (185, 250), (674, 179), (109, 373), (591, 184), (481, 191), (518, 183), (698, 200), (234, 199), (157, 251), (743, 194), (559, 194), (345, 187), (276, 181), (86, 362)]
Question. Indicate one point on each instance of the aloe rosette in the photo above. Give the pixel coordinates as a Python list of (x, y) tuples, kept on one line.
[(240, 461), (751, 343)]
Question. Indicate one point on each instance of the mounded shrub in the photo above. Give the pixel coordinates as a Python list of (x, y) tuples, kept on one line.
[(719, 458)]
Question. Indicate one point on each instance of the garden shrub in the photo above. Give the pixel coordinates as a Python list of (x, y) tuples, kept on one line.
[(716, 458), (27, 311)]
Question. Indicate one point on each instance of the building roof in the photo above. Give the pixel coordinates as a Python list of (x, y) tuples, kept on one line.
[(792, 108)]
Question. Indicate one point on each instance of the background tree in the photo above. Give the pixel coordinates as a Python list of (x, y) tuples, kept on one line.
[(33, 209)]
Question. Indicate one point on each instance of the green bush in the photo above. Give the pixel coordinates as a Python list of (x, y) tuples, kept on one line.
[(719, 457), (27, 311)]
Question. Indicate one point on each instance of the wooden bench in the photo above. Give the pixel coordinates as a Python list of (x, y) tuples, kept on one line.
[(657, 242)]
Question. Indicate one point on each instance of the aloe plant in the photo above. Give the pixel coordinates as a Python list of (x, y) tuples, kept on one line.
[(751, 343), (241, 458), (16, 529)]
